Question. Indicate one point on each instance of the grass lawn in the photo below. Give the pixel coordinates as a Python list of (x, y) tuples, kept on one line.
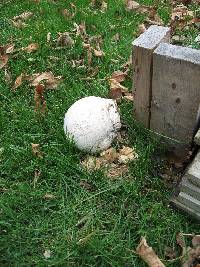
[(116, 213)]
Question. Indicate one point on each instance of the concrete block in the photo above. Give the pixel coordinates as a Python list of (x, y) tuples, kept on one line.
[(185, 208), (197, 137), (193, 173), (189, 201), (187, 195), (175, 91), (143, 48), (189, 188)]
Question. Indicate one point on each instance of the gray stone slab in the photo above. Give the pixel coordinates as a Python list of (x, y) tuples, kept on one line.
[(197, 137), (189, 188), (189, 201), (185, 208), (175, 91), (193, 172), (143, 48)]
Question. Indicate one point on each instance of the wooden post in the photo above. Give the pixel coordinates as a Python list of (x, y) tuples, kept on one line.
[(175, 92), (143, 48)]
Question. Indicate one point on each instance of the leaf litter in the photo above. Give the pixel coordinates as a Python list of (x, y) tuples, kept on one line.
[(113, 161)]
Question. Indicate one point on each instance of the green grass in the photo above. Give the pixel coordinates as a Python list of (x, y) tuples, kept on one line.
[(116, 213)]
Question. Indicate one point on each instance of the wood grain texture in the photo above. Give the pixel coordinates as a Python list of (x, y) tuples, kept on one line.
[(143, 48), (175, 91)]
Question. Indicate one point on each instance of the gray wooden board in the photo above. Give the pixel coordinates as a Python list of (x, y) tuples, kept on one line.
[(175, 91), (143, 48)]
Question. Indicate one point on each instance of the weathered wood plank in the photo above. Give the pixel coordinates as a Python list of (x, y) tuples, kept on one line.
[(143, 48), (175, 92)]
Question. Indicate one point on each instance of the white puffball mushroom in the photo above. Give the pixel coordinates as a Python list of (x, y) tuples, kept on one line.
[(93, 123)]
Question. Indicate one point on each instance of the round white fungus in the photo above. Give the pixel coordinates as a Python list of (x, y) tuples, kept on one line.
[(93, 123)]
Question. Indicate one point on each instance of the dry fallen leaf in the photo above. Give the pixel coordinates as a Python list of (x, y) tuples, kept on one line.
[(18, 81), (67, 14), (127, 154), (80, 30), (36, 150), (64, 39), (3, 60), (141, 28), (116, 37), (116, 89), (148, 255), (98, 53), (104, 6), (48, 78), (31, 48), (131, 5), (119, 76), (170, 253), (110, 154), (19, 21), (23, 16), (8, 76), (191, 257), (40, 102), (196, 240), (114, 84), (9, 49), (128, 96)]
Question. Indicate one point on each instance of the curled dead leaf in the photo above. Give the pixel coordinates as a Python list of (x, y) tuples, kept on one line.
[(127, 154), (148, 254), (3, 61), (64, 39), (196, 240), (9, 49), (98, 53), (80, 30), (141, 28), (36, 150), (8, 76), (48, 78), (131, 5), (67, 14), (19, 21), (119, 76), (110, 154), (31, 48), (18, 81), (40, 102), (23, 16), (104, 6), (114, 84)]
